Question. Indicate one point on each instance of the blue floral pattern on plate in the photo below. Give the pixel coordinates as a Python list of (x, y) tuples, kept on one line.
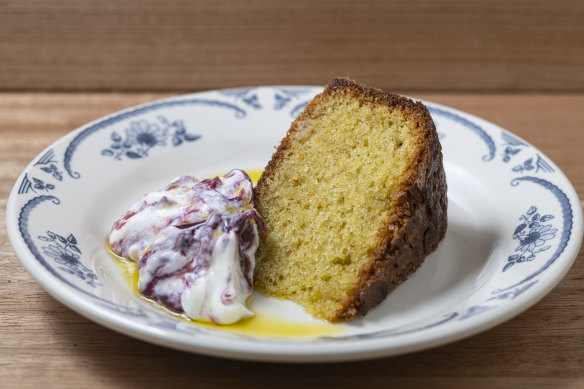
[(245, 95), (142, 136), (532, 233), (46, 164), (66, 254)]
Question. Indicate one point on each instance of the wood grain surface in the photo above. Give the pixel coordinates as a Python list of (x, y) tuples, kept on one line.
[(448, 45), (44, 344)]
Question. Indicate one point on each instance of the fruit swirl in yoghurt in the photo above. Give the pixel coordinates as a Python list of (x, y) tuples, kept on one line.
[(195, 243)]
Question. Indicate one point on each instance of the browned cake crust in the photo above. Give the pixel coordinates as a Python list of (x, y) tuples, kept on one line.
[(419, 224)]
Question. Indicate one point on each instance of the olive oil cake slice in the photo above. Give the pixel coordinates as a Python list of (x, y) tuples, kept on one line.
[(353, 200)]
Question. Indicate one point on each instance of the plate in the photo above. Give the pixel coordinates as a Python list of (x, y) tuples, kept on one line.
[(515, 226)]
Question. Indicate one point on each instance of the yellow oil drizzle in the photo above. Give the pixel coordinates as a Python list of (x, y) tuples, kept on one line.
[(263, 325), (260, 325), (254, 174)]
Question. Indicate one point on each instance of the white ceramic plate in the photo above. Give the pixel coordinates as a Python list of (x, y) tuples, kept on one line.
[(515, 224)]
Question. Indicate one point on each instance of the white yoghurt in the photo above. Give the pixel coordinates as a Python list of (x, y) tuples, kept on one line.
[(195, 243)]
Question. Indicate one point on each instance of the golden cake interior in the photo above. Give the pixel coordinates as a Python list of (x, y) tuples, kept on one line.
[(326, 203)]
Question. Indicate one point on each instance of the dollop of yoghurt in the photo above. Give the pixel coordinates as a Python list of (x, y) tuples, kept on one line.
[(195, 243)]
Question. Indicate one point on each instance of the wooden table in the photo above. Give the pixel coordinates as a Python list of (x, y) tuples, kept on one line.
[(42, 343)]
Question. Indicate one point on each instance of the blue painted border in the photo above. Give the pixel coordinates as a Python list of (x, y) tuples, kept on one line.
[(83, 135), (471, 126), (394, 332)]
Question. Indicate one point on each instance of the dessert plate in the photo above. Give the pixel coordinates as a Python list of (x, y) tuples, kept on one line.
[(515, 226)]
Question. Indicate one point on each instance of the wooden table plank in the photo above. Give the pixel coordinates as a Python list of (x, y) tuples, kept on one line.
[(43, 343), (454, 45)]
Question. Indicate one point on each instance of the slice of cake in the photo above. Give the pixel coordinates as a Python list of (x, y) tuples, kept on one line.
[(353, 200)]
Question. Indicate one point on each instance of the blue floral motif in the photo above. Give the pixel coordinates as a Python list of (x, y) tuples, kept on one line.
[(54, 171), (252, 101), (281, 100), (103, 124), (41, 185), (143, 136), (34, 185), (246, 95), (66, 253), (284, 96), (525, 167), (509, 152), (47, 159), (532, 235), (512, 145), (540, 165), (47, 164)]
